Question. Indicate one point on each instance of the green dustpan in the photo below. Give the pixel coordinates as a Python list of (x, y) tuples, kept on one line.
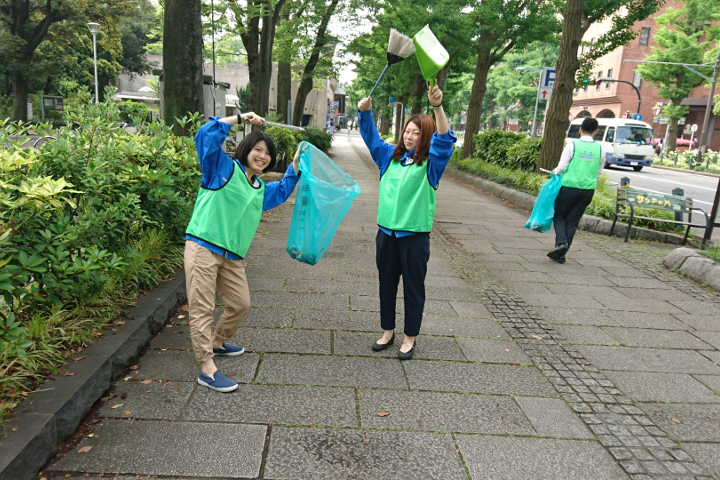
[(431, 56)]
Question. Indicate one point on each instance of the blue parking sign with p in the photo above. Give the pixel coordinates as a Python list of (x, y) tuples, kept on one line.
[(548, 80)]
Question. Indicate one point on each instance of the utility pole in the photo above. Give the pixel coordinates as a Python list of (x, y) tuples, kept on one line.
[(703, 137)]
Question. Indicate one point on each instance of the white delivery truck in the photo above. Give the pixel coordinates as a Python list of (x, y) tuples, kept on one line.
[(628, 143)]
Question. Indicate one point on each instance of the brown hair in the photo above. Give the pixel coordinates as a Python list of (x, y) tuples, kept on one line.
[(427, 127)]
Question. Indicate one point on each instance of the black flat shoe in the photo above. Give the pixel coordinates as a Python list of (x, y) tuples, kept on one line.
[(378, 347), (558, 251), (409, 354), (559, 259)]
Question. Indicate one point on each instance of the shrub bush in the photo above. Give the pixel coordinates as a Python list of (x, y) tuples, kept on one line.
[(131, 111), (493, 145), (317, 137), (523, 155)]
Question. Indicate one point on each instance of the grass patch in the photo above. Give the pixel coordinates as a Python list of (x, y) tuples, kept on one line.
[(712, 251)]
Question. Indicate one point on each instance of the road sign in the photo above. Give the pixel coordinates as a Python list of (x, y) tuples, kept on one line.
[(694, 128), (545, 93), (637, 117), (333, 104), (391, 100), (547, 79)]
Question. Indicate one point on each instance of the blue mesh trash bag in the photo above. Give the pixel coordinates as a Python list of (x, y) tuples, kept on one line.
[(541, 218), (325, 193)]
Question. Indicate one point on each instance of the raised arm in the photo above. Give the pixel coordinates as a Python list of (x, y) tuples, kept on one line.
[(380, 151), (435, 96)]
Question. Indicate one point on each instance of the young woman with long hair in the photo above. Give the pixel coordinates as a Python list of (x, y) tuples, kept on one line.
[(410, 173)]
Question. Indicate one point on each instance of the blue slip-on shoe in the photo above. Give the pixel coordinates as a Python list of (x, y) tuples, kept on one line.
[(218, 382), (228, 350)]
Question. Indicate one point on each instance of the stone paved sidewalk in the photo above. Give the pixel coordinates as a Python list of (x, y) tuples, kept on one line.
[(602, 368)]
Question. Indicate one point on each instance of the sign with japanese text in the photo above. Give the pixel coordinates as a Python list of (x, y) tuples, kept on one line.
[(656, 200)]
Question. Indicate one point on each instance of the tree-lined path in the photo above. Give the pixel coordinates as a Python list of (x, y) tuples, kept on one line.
[(602, 368)]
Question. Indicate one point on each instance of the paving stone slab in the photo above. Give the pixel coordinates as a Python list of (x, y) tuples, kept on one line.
[(501, 458), (27, 441), (593, 291), (712, 382), (632, 282), (552, 417), (265, 284), (706, 454), (282, 340), (662, 387), (320, 454), (503, 266), (182, 367), (442, 412), (310, 286), (659, 321), (340, 275), (372, 304), (493, 351), (709, 323), (331, 371), (324, 301), (529, 287), (449, 281), (523, 276), (337, 320), (697, 307), (635, 305), (648, 360), (698, 423), (644, 337), (573, 279), (713, 356), (287, 272), (173, 338), (585, 334), (713, 338), (152, 448), (155, 400), (268, 317), (477, 378), (462, 327), (574, 316), (428, 347), (618, 269), (276, 404), (569, 301), (647, 293), (471, 309)]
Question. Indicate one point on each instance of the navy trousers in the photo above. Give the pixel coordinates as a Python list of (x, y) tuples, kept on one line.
[(570, 205), (406, 256)]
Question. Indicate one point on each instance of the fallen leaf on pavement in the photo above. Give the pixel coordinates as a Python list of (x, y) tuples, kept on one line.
[(123, 396), (507, 350), (118, 405), (126, 412), (185, 308), (675, 420), (24, 393), (181, 316), (77, 359), (383, 414), (366, 441), (105, 399), (68, 374), (145, 382), (134, 367), (127, 378), (537, 336), (14, 429), (85, 449)]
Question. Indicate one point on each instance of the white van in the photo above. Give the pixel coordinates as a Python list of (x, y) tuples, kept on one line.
[(628, 143)]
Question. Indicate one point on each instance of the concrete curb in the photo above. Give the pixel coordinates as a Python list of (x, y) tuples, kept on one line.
[(695, 266), (589, 223), (43, 420)]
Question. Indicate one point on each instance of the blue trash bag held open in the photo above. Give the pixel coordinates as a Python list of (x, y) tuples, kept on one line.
[(541, 218), (325, 193)]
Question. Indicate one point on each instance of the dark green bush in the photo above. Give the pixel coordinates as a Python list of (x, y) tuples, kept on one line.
[(129, 110), (317, 137), (493, 145), (523, 155)]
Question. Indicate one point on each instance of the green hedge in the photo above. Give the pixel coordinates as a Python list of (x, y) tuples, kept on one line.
[(510, 150), (91, 219)]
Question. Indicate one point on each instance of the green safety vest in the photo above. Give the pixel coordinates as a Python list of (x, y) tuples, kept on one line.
[(229, 216), (582, 172), (407, 200)]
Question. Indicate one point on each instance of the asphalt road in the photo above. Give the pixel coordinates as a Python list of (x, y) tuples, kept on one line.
[(700, 188)]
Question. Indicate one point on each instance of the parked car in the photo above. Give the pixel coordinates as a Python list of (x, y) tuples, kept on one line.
[(680, 142), (628, 143)]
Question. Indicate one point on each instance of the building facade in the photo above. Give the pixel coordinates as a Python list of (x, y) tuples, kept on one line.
[(231, 75), (618, 100)]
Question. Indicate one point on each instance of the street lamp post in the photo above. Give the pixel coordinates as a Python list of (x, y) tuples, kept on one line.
[(537, 98), (610, 79), (94, 29)]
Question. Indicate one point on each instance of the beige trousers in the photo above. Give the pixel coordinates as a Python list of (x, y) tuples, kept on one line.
[(206, 273)]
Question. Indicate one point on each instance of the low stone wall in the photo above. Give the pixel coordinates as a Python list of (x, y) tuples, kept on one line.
[(589, 223), (695, 266)]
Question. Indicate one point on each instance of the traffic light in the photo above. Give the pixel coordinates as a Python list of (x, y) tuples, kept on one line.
[(589, 81)]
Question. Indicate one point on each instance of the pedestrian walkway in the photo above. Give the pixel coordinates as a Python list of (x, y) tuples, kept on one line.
[(602, 368)]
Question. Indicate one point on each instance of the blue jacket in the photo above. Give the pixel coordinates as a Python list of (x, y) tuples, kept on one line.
[(441, 148), (217, 166)]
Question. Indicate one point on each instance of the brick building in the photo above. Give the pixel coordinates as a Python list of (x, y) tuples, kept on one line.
[(615, 100)]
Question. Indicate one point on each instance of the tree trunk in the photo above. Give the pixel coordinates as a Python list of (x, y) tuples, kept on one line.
[(284, 89), (182, 61), (20, 88), (417, 95), (672, 134), (384, 120), (307, 77), (399, 124), (556, 119), (472, 125), (250, 42)]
